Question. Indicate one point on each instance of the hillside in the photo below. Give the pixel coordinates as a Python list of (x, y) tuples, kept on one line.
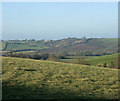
[(95, 60), (38, 79), (103, 59), (93, 45), (70, 45)]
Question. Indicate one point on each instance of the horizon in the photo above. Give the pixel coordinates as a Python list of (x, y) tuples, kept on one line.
[(58, 39), (59, 20)]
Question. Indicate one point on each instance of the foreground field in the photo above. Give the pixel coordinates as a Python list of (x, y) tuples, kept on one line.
[(36, 79)]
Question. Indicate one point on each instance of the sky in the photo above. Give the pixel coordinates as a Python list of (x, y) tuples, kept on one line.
[(57, 20)]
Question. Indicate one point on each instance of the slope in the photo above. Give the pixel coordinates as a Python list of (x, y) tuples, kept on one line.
[(37, 79), (103, 59)]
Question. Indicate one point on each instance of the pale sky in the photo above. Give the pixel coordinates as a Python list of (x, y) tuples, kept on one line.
[(56, 20)]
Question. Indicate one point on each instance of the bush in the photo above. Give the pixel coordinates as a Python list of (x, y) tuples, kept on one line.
[(54, 57), (105, 65), (44, 56), (35, 56)]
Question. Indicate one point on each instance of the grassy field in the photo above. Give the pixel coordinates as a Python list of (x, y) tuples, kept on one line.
[(102, 59), (37, 79), (18, 45), (95, 60)]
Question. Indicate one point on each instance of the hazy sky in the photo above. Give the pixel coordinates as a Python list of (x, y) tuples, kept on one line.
[(50, 20)]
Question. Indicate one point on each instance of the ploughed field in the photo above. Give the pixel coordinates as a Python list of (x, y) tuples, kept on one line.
[(38, 79)]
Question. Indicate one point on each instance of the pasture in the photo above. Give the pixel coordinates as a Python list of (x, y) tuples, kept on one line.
[(39, 79)]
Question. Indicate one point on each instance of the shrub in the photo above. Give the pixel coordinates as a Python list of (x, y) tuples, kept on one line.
[(54, 57), (105, 65), (44, 56), (35, 56)]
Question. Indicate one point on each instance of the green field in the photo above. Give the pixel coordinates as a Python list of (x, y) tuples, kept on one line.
[(18, 45), (103, 59), (38, 79), (95, 60)]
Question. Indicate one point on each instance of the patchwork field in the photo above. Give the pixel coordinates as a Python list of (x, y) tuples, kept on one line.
[(73, 45), (38, 79)]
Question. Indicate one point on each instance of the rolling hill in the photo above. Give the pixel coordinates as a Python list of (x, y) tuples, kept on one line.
[(38, 79), (70, 45)]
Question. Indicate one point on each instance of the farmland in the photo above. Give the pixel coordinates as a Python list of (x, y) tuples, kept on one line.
[(72, 46), (40, 79), (95, 60), (103, 59), (60, 51), (60, 69)]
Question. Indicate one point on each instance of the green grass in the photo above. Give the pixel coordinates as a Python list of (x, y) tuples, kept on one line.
[(26, 52), (102, 59), (67, 60), (18, 45), (95, 60), (37, 79)]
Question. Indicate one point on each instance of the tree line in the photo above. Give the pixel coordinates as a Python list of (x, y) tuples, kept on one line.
[(38, 56), (57, 57)]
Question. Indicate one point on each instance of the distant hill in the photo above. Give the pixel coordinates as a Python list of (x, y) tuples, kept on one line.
[(94, 45)]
